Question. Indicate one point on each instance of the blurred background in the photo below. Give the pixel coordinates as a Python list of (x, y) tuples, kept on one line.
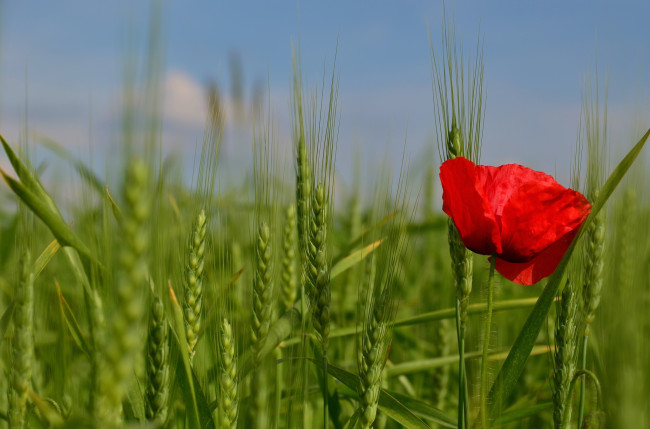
[(62, 71)]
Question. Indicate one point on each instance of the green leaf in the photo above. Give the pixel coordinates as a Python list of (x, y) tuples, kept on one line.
[(6, 319), (424, 410), (189, 391), (47, 411), (478, 308), (52, 220), (353, 258), (389, 404), (71, 322), (521, 413), (432, 316), (6, 245), (25, 175), (359, 238), (45, 257), (278, 332), (438, 223), (397, 411), (421, 365), (354, 418), (211, 312), (85, 172), (117, 213), (512, 368)]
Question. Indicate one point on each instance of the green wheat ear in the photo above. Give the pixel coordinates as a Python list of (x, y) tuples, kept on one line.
[(228, 380), (373, 353), (317, 270), (462, 267), (262, 290), (564, 356), (193, 303), (157, 390), (302, 166), (594, 264), (22, 351), (290, 261)]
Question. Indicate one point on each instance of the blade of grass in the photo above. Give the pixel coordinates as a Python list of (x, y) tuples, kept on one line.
[(479, 308), (397, 411), (86, 173), (71, 322), (388, 403), (353, 258), (359, 239), (211, 312), (45, 257), (279, 330), (204, 409), (424, 410), (117, 213), (7, 246), (521, 413), (447, 313), (47, 411), (6, 319), (428, 364), (52, 220), (514, 365), (193, 416), (25, 175)]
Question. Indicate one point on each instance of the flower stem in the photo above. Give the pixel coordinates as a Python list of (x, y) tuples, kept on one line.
[(486, 346)]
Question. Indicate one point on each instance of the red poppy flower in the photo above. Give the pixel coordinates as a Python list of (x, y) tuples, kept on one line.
[(522, 216)]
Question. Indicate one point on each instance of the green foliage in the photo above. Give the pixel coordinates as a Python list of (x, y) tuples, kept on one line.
[(237, 351)]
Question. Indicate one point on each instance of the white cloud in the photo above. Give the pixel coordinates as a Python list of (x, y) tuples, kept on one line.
[(185, 102)]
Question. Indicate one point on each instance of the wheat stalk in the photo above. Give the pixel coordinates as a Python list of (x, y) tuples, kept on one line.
[(22, 351), (125, 344)]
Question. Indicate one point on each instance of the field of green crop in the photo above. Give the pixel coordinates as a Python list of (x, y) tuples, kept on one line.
[(287, 301)]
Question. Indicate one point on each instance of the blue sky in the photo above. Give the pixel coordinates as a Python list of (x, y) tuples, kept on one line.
[(68, 58)]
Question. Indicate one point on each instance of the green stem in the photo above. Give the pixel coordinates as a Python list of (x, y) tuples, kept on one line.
[(305, 368), (278, 389), (581, 406), (599, 393), (466, 402), (326, 394), (486, 346), (460, 331)]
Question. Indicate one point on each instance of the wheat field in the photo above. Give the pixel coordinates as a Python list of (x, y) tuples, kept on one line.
[(282, 299)]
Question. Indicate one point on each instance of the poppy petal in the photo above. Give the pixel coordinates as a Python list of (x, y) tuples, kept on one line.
[(501, 182), (465, 202), (537, 215), (542, 265)]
